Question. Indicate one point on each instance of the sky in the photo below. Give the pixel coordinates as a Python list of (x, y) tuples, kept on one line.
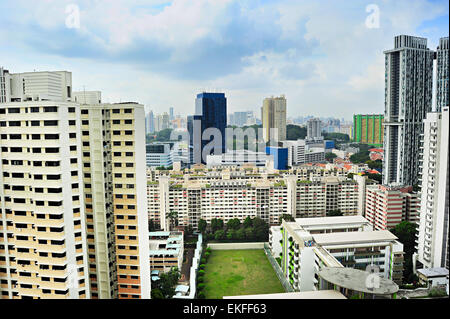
[(326, 57)]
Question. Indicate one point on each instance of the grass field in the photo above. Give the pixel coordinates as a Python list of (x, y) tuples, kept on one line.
[(239, 272)]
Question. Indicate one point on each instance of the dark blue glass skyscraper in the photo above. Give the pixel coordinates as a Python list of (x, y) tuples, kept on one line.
[(210, 112)]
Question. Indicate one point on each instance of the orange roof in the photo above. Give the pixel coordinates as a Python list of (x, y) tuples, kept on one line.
[(347, 167), (378, 150)]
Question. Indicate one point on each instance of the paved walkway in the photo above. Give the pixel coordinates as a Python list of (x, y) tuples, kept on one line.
[(186, 267)]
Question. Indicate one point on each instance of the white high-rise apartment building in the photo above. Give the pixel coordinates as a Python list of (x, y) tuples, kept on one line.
[(43, 252), (301, 152), (432, 244), (35, 86), (442, 75), (227, 193), (74, 220), (273, 115), (408, 97)]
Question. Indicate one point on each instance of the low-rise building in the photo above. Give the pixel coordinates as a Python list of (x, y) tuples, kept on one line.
[(309, 246), (166, 250), (433, 277)]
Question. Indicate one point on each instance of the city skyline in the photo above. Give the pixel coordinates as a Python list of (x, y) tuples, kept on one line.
[(299, 57)]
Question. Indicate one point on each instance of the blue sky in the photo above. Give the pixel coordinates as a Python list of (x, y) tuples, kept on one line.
[(161, 53)]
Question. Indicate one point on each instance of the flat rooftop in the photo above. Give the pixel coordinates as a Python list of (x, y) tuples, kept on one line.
[(353, 237), (357, 280), (320, 294), (433, 272), (335, 220)]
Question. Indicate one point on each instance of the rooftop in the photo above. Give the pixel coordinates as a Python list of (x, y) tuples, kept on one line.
[(357, 280), (316, 221), (354, 237), (321, 294), (433, 272)]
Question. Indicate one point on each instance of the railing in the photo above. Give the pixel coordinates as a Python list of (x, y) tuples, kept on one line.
[(287, 287)]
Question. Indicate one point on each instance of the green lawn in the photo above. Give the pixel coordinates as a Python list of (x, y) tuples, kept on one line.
[(239, 272)]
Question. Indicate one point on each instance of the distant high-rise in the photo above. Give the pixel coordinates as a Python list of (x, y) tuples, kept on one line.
[(442, 77), (432, 248), (368, 129), (210, 112), (171, 116), (239, 118), (164, 121), (150, 123), (273, 114), (314, 129), (408, 97)]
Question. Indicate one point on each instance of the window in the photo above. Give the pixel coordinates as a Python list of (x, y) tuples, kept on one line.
[(13, 110), (50, 123), (49, 109)]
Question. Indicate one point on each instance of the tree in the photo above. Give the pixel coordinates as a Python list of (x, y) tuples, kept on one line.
[(168, 281), (248, 222), (406, 233), (335, 212), (157, 294), (234, 223), (202, 225), (216, 224), (240, 234), (287, 217), (249, 233), (330, 156), (360, 157), (295, 132), (173, 217), (375, 164), (219, 234), (261, 229)]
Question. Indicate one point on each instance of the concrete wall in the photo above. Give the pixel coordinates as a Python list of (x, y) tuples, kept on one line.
[(229, 246)]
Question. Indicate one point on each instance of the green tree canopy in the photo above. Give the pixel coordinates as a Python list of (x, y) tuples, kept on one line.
[(234, 223), (248, 222), (330, 156), (202, 225), (216, 224)]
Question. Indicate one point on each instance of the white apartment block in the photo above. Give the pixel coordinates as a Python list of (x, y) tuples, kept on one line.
[(43, 252), (299, 152), (228, 193), (35, 86), (432, 243), (311, 244)]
